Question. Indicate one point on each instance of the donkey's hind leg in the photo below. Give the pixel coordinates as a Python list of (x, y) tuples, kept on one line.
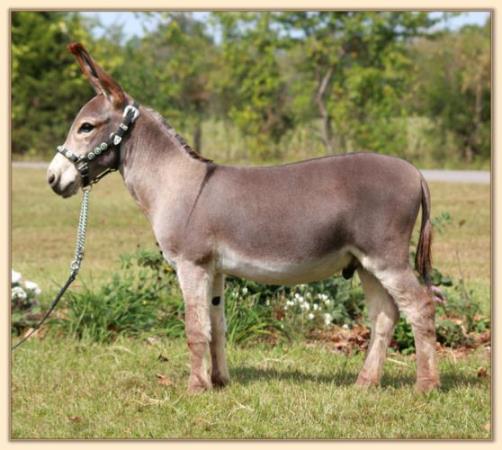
[(219, 370), (383, 314), (196, 285), (416, 302)]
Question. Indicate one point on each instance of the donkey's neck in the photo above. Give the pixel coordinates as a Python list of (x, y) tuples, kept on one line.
[(159, 169)]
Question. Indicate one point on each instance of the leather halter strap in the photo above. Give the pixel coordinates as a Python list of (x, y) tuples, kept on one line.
[(131, 113)]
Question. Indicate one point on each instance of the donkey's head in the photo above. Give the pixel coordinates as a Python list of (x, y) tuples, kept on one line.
[(92, 126)]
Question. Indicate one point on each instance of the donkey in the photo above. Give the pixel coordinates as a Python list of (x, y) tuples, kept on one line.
[(287, 224)]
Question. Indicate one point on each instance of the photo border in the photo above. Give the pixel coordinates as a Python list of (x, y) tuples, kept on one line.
[(190, 5)]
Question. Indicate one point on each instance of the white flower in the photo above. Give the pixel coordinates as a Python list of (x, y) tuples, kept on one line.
[(33, 287), (327, 318), (305, 306), (328, 303), (323, 297), (19, 293), (310, 316), (315, 306), (16, 277), (345, 326), (244, 290)]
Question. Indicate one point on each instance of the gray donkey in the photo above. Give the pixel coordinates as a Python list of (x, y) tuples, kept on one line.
[(288, 224)]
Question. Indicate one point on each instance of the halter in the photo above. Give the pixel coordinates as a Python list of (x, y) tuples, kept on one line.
[(81, 163)]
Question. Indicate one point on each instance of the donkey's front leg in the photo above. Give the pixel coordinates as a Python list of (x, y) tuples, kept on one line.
[(196, 285), (219, 371)]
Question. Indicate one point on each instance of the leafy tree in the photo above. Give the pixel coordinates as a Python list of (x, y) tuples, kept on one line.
[(452, 86), (169, 69), (379, 81), (251, 82), (359, 65), (46, 91)]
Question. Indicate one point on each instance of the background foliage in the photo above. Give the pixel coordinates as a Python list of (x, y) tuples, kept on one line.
[(270, 86)]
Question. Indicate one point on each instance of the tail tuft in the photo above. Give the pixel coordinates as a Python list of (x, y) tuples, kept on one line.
[(423, 259)]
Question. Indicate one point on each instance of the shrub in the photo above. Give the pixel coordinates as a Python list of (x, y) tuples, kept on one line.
[(142, 297), (288, 311)]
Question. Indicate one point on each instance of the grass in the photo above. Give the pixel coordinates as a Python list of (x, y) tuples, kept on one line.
[(463, 250), (296, 391), (288, 392), (44, 229)]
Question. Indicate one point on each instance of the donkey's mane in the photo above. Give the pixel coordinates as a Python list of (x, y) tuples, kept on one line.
[(178, 138)]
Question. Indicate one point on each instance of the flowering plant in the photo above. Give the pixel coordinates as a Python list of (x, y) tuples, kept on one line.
[(24, 301)]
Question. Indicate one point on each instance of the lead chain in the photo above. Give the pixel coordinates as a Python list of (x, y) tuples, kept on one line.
[(81, 232)]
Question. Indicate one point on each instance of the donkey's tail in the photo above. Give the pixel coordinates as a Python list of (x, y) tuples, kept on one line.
[(423, 259)]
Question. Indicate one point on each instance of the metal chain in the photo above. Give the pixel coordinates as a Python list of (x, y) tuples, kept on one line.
[(81, 232), (74, 266)]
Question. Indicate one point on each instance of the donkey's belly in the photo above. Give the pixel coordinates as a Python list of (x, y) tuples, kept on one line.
[(277, 271)]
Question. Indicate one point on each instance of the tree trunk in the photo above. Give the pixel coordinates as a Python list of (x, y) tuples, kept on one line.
[(327, 129), (472, 145), (197, 136)]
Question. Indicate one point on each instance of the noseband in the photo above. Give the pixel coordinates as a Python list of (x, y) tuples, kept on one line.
[(81, 163)]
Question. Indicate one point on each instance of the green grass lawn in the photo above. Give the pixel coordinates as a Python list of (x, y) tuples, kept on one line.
[(69, 389), (63, 388)]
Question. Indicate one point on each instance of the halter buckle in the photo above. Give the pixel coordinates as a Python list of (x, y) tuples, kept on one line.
[(134, 110)]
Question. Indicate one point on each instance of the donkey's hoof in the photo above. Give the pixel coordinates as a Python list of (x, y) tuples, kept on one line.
[(219, 380), (197, 386), (366, 382), (424, 385)]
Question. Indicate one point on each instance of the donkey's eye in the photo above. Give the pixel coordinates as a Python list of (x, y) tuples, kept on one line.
[(86, 127)]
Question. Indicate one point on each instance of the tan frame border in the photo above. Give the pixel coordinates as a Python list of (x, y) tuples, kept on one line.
[(93, 5)]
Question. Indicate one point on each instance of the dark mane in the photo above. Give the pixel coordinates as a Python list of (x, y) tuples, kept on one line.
[(184, 145)]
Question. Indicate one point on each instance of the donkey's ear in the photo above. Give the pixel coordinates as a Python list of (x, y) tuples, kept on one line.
[(99, 79)]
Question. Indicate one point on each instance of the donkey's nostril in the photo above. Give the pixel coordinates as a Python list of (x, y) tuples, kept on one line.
[(51, 178)]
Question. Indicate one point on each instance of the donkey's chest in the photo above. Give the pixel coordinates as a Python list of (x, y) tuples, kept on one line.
[(281, 271)]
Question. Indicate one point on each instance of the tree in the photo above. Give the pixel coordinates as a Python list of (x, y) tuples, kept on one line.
[(452, 81), (250, 83), (47, 91), (169, 69), (358, 63)]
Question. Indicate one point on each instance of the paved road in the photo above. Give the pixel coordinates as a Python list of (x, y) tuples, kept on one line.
[(458, 176), (448, 176)]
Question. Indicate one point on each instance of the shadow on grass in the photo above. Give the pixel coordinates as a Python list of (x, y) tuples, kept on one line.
[(247, 375), (449, 381), (452, 380)]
